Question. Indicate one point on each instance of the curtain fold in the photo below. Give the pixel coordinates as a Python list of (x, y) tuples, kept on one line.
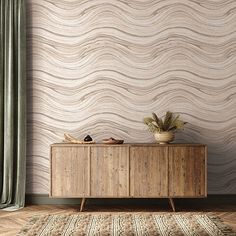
[(12, 104)]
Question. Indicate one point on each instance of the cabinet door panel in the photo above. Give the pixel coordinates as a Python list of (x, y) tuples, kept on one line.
[(69, 172), (109, 171), (149, 171), (187, 171)]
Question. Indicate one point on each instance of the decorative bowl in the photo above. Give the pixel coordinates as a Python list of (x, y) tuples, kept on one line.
[(112, 141), (164, 137)]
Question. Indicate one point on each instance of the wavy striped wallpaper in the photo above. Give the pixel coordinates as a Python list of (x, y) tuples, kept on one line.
[(99, 66)]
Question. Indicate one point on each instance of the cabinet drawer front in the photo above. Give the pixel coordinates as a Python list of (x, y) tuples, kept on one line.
[(149, 171), (187, 171), (69, 172), (109, 171)]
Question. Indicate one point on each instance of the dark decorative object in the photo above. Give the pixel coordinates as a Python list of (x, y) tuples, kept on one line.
[(70, 139), (88, 138)]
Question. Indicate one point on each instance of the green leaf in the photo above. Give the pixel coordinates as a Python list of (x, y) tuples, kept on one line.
[(167, 120), (153, 128), (173, 121), (148, 120), (160, 124), (158, 121), (155, 117)]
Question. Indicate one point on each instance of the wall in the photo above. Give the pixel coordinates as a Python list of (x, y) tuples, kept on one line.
[(98, 67)]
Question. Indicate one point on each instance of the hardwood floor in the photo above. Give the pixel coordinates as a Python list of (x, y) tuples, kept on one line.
[(12, 222)]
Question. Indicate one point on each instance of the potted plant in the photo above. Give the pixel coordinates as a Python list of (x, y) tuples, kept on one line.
[(164, 128)]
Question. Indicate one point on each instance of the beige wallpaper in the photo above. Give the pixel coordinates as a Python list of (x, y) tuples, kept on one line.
[(99, 66)]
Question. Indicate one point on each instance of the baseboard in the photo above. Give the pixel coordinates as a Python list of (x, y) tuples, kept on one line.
[(44, 199)]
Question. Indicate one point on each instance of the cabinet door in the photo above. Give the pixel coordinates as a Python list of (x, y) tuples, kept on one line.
[(149, 171), (187, 166), (69, 171), (109, 171)]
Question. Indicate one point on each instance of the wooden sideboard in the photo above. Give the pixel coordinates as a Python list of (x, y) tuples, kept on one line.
[(128, 171)]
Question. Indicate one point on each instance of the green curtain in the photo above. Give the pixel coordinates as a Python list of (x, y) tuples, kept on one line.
[(12, 104)]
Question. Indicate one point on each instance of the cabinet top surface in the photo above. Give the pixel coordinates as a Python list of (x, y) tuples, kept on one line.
[(129, 144)]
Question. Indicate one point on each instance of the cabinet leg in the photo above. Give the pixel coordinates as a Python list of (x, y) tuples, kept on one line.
[(172, 204), (82, 204)]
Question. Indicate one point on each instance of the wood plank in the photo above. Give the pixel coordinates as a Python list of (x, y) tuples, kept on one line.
[(128, 171), (187, 172), (70, 174), (109, 171), (149, 171)]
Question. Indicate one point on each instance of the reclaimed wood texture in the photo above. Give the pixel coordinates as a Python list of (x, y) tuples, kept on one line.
[(70, 171), (149, 171), (131, 170), (187, 172), (110, 171)]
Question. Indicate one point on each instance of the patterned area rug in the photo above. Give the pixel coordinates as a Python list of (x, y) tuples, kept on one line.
[(126, 224)]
